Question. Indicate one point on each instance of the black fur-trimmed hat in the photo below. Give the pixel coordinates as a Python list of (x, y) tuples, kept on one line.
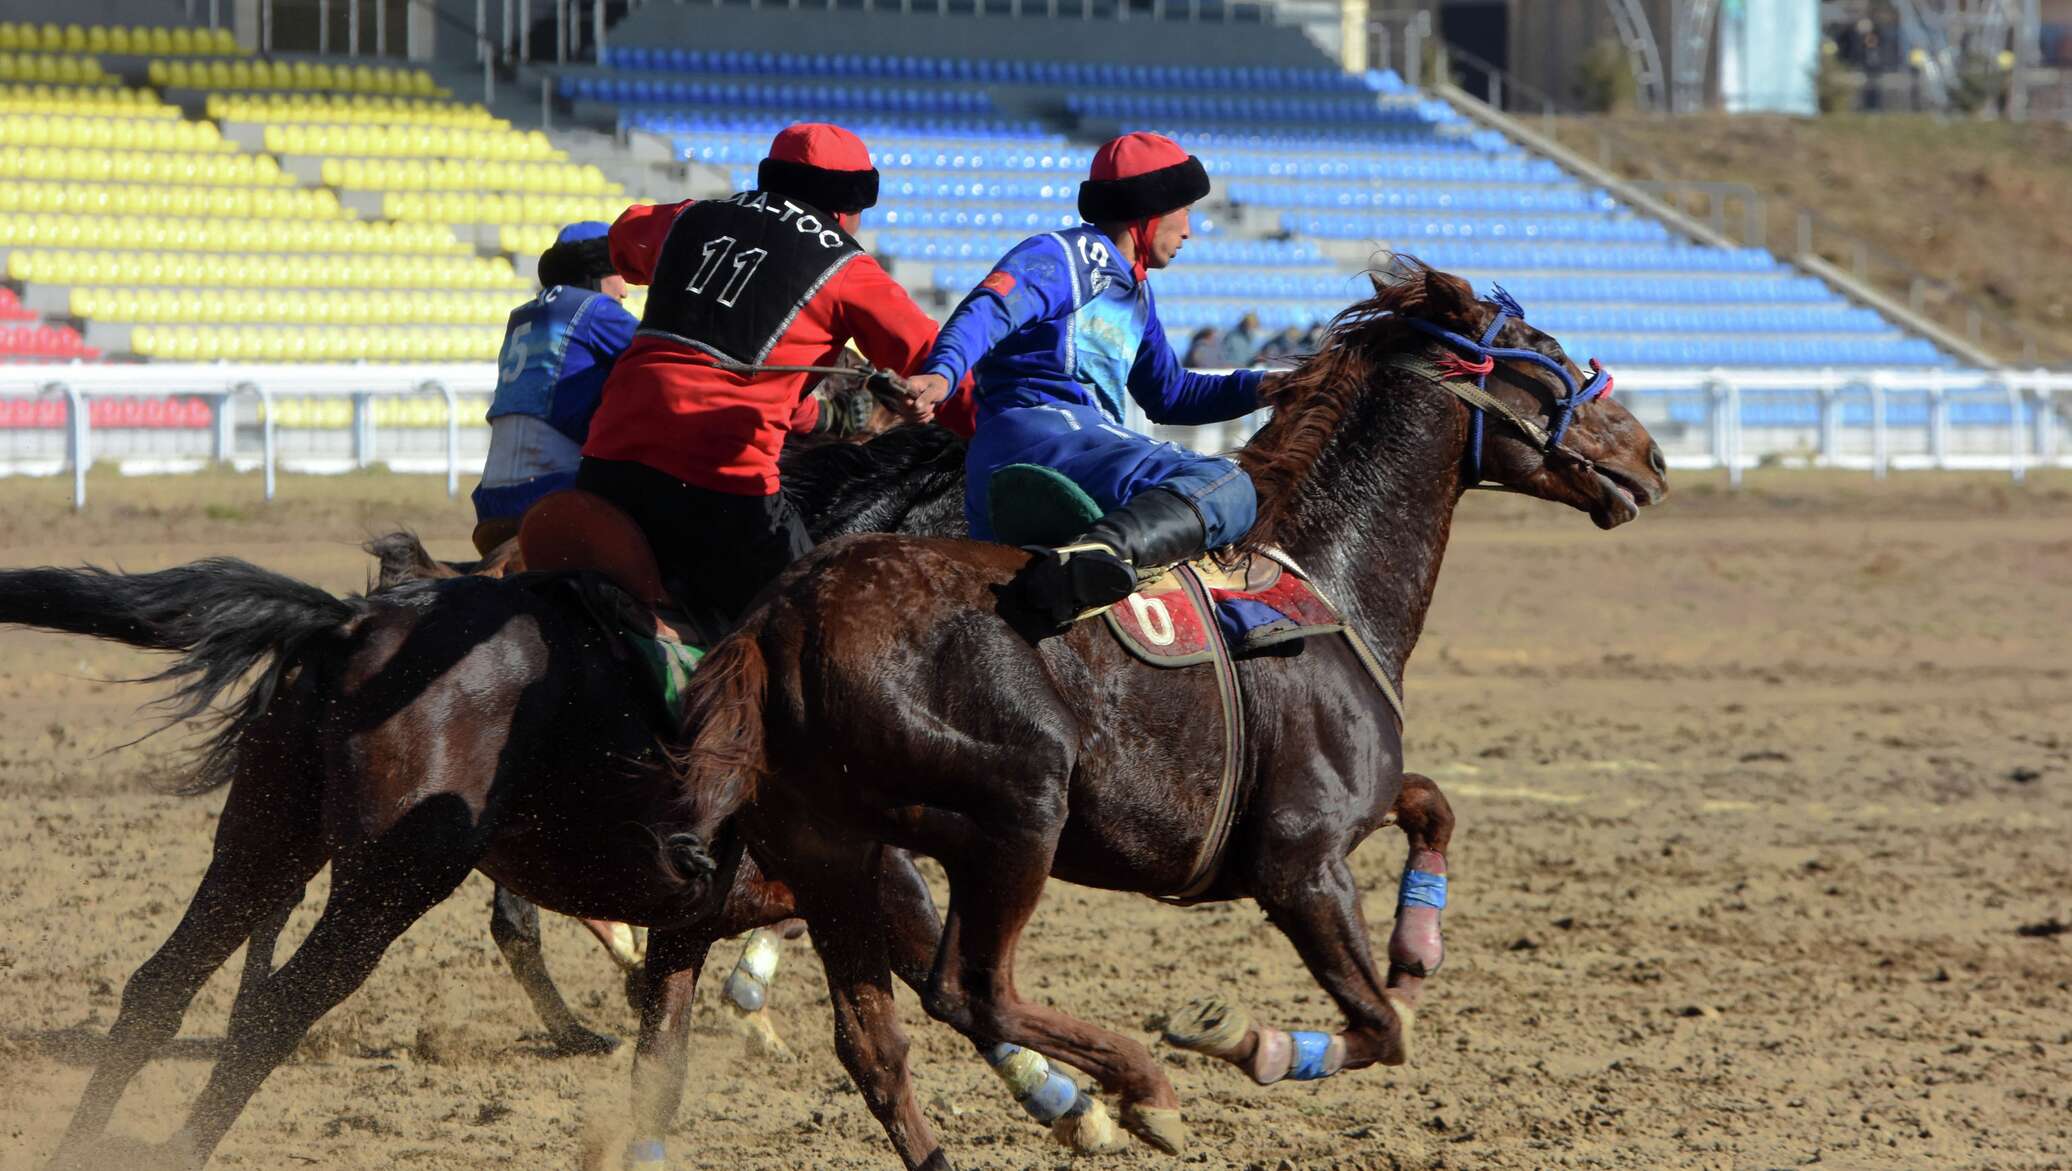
[(580, 256), (822, 164), (1139, 176)]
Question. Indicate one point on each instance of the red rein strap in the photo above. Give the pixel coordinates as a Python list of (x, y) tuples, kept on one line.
[(1454, 364)]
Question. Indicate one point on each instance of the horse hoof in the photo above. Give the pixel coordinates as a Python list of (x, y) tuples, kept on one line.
[(1406, 1017), (626, 944), (761, 1036), (1208, 1024), (1158, 1125), (1091, 1133), (578, 1041)]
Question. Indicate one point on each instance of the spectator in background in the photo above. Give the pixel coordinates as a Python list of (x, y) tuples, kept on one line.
[(1206, 351), (1242, 342), (1286, 344)]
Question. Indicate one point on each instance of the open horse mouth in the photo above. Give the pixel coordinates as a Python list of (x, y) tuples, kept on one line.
[(1622, 499)]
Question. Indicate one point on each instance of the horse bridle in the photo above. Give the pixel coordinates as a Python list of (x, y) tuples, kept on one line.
[(1481, 403)]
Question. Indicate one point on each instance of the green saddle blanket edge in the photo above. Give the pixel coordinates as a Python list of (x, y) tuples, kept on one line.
[(1034, 505), (670, 665)]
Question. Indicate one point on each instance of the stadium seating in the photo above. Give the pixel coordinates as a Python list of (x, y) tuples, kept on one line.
[(330, 211), (1324, 168), (338, 343), (406, 139), (347, 109), (206, 234), (246, 73), (42, 343), (146, 40), (189, 239), (997, 71), (212, 270), (112, 133), (56, 69)]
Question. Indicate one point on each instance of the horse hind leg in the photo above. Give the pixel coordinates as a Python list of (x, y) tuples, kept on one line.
[(267, 847), (515, 926), (973, 991), (914, 929), (377, 891), (260, 947)]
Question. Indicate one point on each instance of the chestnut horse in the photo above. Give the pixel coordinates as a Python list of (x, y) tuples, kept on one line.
[(412, 735), (889, 695)]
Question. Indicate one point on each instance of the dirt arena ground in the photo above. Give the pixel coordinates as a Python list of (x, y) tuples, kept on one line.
[(1762, 862)]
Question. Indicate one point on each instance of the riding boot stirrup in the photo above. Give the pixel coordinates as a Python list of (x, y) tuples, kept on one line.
[(1101, 568)]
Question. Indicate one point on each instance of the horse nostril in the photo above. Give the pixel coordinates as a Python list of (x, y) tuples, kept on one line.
[(1655, 460)]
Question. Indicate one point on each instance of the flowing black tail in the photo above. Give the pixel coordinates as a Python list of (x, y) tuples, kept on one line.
[(223, 615)]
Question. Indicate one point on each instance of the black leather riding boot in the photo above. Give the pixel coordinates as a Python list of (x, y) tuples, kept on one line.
[(1156, 529)]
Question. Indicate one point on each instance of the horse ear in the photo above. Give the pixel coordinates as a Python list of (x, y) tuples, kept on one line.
[(1448, 298), (1380, 286)]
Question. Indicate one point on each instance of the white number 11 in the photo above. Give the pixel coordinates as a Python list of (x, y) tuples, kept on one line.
[(715, 251)]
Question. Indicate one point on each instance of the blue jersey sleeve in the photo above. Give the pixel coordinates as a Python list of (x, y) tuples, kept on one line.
[(1030, 284), (1171, 393), (607, 329)]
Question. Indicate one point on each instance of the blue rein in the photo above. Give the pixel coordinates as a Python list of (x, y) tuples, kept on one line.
[(1507, 309)]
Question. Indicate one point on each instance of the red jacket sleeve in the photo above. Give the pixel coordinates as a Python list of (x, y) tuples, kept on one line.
[(805, 416), (636, 238), (875, 310)]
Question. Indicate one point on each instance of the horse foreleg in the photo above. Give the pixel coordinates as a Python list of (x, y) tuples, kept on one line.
[(747, 992), (662, 1055), (1319, 911), (674, 958), (515, 925), (843, 911), (1415, 946)]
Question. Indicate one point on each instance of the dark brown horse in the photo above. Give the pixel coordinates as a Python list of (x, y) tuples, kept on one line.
[(410, 736), (888, 695)]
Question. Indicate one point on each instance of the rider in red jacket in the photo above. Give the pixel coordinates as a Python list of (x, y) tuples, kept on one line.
[(686, 438)]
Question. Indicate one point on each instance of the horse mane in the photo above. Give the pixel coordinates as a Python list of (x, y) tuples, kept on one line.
[(832, 481), (1312, 402)]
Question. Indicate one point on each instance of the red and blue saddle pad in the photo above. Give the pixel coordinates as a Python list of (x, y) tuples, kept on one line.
[(1257, 603), (1257, 600)]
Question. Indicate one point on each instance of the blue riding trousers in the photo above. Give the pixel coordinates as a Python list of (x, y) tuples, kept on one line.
[(1110, 463)]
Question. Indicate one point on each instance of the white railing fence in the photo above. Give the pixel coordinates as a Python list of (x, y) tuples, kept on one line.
[(1703, 418)]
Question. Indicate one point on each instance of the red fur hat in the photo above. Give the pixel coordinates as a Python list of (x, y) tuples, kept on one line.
[(822, 164), (1139, 176)]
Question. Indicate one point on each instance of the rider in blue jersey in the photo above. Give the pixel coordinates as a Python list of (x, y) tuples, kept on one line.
[(557, 350), (1054, 337)]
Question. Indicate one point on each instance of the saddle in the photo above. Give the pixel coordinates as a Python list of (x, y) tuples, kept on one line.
[(1215, 609), (582, 532)]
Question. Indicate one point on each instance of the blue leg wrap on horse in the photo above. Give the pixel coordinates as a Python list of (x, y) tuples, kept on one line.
[(641, 1152), (1307, 1065), (1044, 1092), (1422, 889)]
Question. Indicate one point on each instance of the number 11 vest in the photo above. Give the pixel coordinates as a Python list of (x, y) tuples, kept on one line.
[(735, 272)]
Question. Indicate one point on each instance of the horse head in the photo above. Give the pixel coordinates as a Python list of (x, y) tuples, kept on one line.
[(1539, 424)]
